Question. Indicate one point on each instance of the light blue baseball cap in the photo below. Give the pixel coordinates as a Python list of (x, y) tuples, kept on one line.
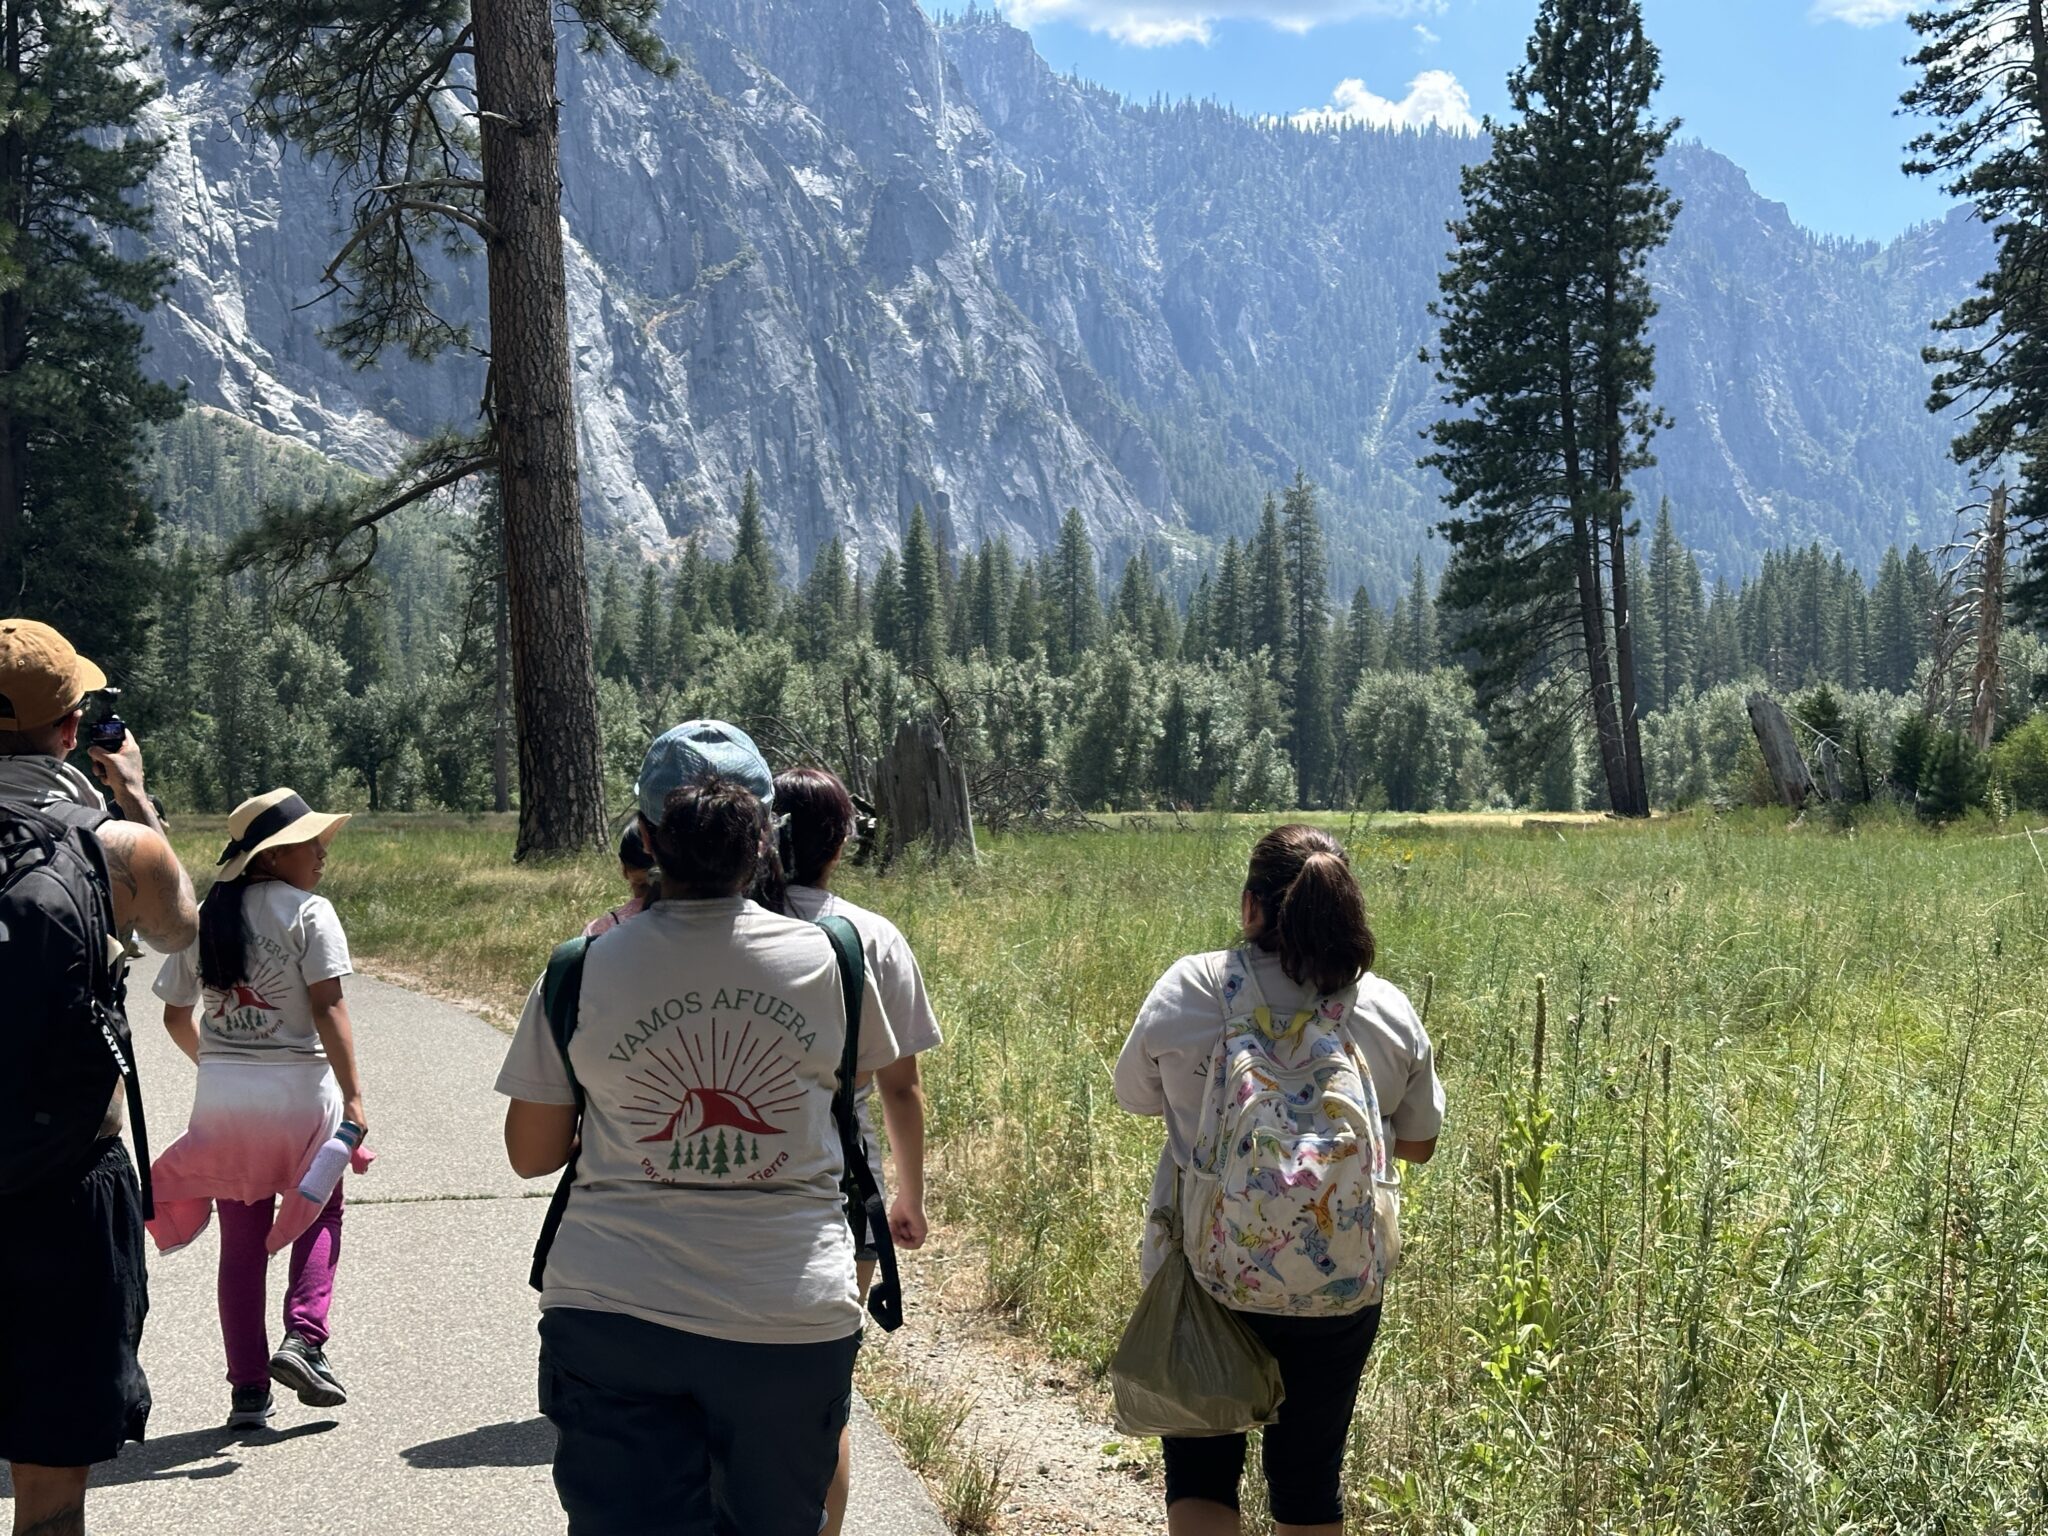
[(697, 749)]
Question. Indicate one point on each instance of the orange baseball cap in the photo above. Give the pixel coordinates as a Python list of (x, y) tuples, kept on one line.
[(42, 678)]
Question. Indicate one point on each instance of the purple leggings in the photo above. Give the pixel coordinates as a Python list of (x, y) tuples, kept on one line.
[(243, 1267)]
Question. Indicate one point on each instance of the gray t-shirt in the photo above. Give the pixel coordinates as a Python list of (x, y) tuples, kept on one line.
[(1164, 1067), (295, 940), (897, 978), (707, 1191)]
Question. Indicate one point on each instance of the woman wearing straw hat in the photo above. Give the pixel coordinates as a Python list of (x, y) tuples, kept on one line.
[(257, 1004)]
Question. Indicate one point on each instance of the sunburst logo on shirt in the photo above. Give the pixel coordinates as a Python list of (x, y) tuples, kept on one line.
[(245, 1012), (716, 1082)]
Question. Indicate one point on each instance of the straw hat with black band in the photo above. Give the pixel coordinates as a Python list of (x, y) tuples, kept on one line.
[(275, 820)]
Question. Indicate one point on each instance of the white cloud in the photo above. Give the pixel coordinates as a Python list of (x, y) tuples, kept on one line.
[(1861, 13), (1155, 23), (1434, 97), (1424, 37)]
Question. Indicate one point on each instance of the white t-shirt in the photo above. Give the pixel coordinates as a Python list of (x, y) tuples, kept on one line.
[(1164, 1067), (707, 1042), (897, 978), (295, 940)]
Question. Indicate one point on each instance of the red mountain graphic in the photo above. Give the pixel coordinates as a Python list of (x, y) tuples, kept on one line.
[(718, 1107), (238, 997)]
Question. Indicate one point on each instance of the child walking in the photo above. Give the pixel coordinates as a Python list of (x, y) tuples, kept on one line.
[(257, 1004)]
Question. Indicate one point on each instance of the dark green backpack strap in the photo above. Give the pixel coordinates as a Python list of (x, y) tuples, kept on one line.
[(863, 1191), (561, 993)]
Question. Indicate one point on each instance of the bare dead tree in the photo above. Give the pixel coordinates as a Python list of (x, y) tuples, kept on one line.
[(1969, 622)]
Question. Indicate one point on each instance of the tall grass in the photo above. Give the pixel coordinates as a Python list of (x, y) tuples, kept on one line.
[(1750, 1235)]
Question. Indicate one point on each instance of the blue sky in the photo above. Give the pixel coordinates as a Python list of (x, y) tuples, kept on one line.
[(1800, 93)]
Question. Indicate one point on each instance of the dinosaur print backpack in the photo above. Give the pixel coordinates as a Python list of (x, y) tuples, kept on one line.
[(1294, 1206)]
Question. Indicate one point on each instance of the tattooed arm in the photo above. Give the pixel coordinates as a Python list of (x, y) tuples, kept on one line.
[(152, 892)]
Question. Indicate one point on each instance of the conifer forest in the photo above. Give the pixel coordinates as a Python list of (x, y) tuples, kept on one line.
[(426, 406)]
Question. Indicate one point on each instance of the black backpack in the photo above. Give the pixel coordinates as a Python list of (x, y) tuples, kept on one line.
[(561, 992), (65, 1040)]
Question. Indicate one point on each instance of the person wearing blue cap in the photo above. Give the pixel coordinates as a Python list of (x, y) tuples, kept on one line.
[(684, 754), (699, 1308)]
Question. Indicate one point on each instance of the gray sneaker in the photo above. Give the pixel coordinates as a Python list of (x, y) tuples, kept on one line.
[(303, 1368), (249, 1408)]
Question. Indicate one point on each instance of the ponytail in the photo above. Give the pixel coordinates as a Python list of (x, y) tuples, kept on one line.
[(1312, 910), (710, 840), (224, 935), (771, 878)]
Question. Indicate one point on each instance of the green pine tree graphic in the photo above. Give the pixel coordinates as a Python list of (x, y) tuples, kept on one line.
[(739, 1151), (704, 1154), (675, 1156), (719, 1163)]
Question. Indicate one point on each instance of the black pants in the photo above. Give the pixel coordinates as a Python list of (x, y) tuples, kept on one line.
[(1321, 1360), (73, 1295), (678, 1434)]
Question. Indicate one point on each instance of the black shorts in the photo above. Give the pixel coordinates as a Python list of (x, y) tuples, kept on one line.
[(1321, 1360), (73, 1295), (663, 1430)]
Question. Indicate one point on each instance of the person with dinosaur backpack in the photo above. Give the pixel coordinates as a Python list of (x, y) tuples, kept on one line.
[(1290, 1079), (692, 1070), (73, 884)]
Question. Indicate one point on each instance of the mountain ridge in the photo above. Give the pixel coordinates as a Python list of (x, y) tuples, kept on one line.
[(884, 262)]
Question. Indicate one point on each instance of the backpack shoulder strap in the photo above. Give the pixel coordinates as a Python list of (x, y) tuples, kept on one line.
[(853, 974), (561, 994), (862, 1189), (561, 990), (1237, 985)]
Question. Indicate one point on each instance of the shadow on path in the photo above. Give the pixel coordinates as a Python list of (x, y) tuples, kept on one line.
[(194, 1456), (515, 1443)]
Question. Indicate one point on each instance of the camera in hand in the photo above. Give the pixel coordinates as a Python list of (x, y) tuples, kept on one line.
[(108, 731)]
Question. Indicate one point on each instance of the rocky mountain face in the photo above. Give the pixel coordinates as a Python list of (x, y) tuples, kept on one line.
[(885, 263)]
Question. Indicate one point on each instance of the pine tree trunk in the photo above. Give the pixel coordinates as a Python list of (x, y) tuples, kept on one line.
[(561, 772), (1592, 610), (501, 677), (1599, 678), (1625, 672), (1990, 625), (14, 201)]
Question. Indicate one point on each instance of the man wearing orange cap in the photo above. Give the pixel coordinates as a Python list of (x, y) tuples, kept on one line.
[(72, 1288)]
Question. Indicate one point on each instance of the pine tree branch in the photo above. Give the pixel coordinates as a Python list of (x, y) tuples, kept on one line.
[(341, 532)]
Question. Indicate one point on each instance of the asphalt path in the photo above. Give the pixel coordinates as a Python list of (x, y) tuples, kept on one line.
[(434, 1327)]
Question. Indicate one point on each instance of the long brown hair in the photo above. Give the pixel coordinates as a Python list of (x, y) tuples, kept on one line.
[(817, 817), (1312, 910)]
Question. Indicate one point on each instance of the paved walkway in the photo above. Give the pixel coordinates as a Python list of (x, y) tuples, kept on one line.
[(433, 1328)]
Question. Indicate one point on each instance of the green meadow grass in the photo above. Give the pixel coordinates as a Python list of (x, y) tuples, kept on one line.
[(1755, 1239)]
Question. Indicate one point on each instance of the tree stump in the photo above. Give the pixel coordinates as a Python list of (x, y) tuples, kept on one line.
[(1830, 759), (922, 793), (1788, 770)]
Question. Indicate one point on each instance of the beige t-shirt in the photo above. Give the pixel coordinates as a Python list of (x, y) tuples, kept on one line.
[(897, 977), (294, 940), (707, 1197)]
